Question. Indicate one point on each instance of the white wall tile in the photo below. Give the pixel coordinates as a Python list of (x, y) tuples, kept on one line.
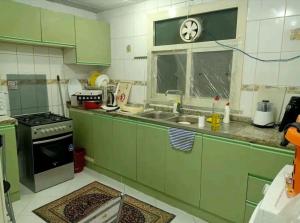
[(25, 64), (8, 64), (291, 23), (246, 103), (8, 48), (41, 65), (140, 46), (24, 49), (140, 24), (289, 72), (249, 69), (56, 66), (252, 32), (267, 73), (55, 52), (270, 35), (254, 9), (117, 48), (293, 7), (273, 8), (41, 51)]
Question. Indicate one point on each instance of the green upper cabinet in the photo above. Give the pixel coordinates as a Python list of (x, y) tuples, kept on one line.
[(183, 171), (92, 43), (58, 28), (102, 128), (82, 128), (12, 167), (19, 22), (124, 148), (152, 142), (224, 178)]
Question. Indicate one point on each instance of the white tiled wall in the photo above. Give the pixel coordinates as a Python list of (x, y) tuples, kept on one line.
[(24, 59), (269, 23)]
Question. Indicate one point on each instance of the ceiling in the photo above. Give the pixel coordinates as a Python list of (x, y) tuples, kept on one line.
[(96, 5)]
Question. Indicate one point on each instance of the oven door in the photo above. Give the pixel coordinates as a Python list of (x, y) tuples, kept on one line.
[(52, 152)]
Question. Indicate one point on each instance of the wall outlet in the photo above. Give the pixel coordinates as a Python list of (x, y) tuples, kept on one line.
[(295, 34)]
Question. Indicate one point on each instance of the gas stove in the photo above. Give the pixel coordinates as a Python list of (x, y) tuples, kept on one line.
[(45, 150), (41, 119)]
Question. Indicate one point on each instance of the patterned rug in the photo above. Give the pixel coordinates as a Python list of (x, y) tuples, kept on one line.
[(77, 205)]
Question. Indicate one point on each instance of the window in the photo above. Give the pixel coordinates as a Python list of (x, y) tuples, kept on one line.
[(211, 73), (201, 69), (171, 71)]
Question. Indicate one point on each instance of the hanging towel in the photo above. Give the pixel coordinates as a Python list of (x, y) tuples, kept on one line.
[(181, 139)]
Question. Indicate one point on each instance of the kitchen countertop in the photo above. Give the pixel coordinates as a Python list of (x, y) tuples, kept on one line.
[(235, 130), (6, 120)]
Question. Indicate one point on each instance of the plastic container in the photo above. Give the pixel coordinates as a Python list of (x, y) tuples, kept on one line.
[(79, 161), (201, 122), (226, 118), (91, 104)]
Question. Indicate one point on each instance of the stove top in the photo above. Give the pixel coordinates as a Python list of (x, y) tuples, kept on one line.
[(40, 119)]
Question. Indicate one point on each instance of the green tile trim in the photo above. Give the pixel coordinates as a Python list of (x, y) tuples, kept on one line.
[(273, 149), (91, 63), (227, 140)]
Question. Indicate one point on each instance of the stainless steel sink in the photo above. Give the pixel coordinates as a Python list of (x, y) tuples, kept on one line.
[(184, 119), (158, 115)]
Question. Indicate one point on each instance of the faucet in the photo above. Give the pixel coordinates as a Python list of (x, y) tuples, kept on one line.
[(180, 107)]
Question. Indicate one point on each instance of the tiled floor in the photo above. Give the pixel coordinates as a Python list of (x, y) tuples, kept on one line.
[(30, 201)]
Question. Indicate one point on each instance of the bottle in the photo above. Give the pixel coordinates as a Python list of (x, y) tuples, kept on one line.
[(226, 118), (175, 105)]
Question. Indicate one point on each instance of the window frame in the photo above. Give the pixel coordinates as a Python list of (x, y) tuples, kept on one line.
[(189, 48)]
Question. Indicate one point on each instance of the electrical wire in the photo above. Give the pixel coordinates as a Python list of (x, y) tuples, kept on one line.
[(256, 58)]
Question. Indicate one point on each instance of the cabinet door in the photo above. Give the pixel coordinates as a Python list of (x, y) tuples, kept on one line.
[(183, 171), (82, 129), (57, 28), (20, 21), (92, 41), (151, 152), (103, 141), (224, 178), (124, 148), (12, 167)]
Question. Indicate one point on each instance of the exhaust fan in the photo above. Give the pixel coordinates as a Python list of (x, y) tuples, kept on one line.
[(190, 30)]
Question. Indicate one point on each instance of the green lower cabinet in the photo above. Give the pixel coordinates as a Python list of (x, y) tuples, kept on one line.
[(152, 142), (249, 209), (255, 189), (103, 141), (224, 178), (124, 148), (183, 173), (12, 166), (82, 129)]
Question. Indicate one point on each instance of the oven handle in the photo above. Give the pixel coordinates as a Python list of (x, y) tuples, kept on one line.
[(51, 140)]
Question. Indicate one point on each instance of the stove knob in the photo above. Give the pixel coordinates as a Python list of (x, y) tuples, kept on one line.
[(56, 129), (43, 131)]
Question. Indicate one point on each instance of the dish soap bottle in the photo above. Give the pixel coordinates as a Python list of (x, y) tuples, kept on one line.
[(226, 118)]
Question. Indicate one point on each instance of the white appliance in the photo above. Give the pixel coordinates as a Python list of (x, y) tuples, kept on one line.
[(3, 103), (264, 116), (276, 207)]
